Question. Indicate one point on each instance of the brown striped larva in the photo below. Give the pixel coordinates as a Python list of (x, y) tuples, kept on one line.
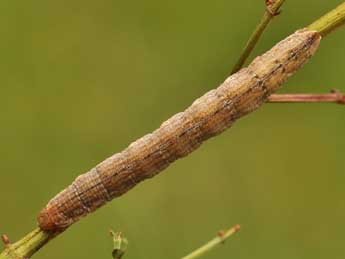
[(208, 116)]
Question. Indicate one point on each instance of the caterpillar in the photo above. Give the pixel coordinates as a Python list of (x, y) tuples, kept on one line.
[(211, 114)]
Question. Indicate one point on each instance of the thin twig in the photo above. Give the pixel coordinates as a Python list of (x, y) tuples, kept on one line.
[(338, 98), (272, 9), (220, 239)]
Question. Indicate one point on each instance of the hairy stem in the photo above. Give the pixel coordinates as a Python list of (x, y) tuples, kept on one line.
[(271, 11), (220, 239)]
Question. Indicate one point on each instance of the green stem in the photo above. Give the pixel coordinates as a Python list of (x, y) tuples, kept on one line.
[(254, 38), (32, 242), (329, 22), (220, 239), (26, 246)]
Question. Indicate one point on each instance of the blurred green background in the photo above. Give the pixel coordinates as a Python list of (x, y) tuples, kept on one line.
[(80, 80)]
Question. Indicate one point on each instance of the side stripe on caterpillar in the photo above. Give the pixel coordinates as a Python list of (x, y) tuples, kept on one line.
[(208, 116)]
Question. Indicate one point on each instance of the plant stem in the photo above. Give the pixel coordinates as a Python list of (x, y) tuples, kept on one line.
[(307, 98), (329, 22), (220, 239), (270, 12), (26, 246)]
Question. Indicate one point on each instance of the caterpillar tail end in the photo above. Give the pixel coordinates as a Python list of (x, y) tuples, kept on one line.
[(45, 221)]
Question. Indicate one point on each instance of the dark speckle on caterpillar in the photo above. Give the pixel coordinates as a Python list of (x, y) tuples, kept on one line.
[(208, 116)]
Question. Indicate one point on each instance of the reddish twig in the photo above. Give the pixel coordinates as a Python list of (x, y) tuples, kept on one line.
[(334, 97)]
